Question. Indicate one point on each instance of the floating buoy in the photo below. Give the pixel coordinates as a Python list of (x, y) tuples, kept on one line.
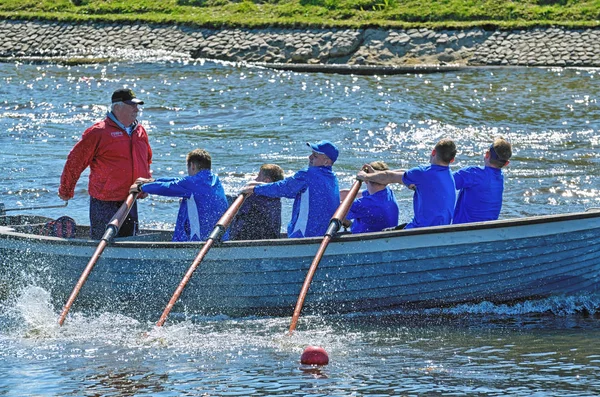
[(314, 355)]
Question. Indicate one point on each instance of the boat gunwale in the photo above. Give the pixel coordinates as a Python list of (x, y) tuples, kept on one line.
[(6, 233)]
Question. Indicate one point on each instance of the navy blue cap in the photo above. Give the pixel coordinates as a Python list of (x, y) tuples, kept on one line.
[(126, 95)]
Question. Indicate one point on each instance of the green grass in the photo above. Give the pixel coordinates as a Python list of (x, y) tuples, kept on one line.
[(316, 13)]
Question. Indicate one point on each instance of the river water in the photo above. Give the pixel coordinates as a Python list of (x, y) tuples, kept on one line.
[(248, 116)]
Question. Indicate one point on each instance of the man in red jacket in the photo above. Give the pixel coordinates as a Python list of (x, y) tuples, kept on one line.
[(118, 152)]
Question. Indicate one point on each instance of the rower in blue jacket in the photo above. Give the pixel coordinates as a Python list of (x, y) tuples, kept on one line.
[(203, 197), (314, 189)]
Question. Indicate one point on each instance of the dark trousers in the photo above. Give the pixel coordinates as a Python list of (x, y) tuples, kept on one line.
[(101, 212)]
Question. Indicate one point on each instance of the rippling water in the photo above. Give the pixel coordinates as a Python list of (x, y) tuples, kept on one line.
[(249, 116)]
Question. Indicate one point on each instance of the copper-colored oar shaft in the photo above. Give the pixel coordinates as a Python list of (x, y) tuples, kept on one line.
[(81, 281), (334, 226), (216, 234), (309, 276), (184, 281), (111, 230)]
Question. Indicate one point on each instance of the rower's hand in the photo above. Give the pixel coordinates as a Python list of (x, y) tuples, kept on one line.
[(135, 188), (362, 176), (249, 188), (368, 169), (363, 173), (143, 180)]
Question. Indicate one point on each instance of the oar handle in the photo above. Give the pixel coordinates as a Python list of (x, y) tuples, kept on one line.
[(111, 230), (218, 231), (334, 226), (336, 220), (115, 223)]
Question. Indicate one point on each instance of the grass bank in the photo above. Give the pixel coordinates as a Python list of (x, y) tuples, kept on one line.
[(316, 13)]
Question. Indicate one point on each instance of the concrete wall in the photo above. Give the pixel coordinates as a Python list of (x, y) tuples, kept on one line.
[(535, 47)]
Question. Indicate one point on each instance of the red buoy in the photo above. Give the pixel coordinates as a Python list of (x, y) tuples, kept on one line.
[(314, 355)]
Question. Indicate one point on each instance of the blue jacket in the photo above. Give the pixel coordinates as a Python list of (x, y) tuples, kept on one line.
[(435, 195), (202, 206), (480, 196), (316, 197), (374, 212)]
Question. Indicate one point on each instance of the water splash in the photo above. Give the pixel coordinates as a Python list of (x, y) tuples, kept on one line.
[(30, 315), (34, 309)]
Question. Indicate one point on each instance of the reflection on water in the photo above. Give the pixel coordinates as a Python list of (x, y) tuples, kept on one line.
[(248, 116)]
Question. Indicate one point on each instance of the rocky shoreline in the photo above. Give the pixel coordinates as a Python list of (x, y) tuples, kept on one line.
[(375, 47)]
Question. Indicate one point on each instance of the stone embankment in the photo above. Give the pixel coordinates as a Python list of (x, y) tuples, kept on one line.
[(535, 47)]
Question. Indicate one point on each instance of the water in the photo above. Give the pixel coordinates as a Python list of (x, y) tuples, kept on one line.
[(245, 117)]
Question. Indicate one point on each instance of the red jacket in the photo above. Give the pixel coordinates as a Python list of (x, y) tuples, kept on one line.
[(115, 160)]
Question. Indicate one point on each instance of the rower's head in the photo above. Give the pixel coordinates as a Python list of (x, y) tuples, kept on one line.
[(324, 153), (269, 173), (444, 152), (197, 160), (498, 154), (374, 187)]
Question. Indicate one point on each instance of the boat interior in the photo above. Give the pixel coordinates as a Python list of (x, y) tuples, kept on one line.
[(41, 226)]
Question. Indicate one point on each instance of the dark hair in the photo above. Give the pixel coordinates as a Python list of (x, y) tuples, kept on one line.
[(272, 171), (379, 166), (201, 158), (504, 151), (445, 150)]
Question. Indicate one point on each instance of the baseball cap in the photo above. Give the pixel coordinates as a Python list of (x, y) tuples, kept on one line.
[(325, 147), (126, 95)]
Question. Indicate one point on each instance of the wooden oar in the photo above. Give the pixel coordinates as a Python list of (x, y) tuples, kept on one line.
[(111, 231), (334, 227), (216, 234)]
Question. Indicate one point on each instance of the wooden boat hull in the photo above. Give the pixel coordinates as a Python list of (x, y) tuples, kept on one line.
[(498, 261)]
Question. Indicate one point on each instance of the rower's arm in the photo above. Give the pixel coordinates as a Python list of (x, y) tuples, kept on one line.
[(382, 177)]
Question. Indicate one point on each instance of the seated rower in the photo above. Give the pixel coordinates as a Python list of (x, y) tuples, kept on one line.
[(481, 188), (376, 209), (259, 218), (314, 189), (203, 198), (433, 184)]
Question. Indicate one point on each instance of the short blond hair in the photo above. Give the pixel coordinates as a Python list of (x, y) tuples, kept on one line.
[(379, 166)]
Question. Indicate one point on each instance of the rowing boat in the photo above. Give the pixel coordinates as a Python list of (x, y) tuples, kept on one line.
[(498, 261)]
